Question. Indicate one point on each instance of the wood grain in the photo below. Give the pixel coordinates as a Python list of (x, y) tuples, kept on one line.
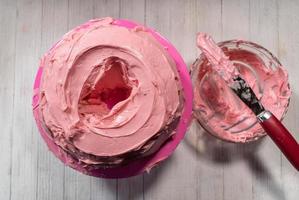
[(288, 47), (7, 74), (24, 133), (51, 171), (202, 167)]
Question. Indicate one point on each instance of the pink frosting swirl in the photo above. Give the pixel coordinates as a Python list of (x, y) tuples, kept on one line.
[(109, 94)]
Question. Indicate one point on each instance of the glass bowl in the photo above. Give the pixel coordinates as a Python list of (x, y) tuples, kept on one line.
[(213, 99)]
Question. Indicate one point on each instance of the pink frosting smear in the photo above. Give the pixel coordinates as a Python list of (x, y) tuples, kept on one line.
[(217, 108), (109, 95), (216, 57)]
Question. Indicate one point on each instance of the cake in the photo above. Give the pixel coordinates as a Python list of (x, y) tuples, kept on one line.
[(109, 95)]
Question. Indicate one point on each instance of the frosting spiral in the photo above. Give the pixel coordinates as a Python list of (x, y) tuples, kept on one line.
[(109, 94)]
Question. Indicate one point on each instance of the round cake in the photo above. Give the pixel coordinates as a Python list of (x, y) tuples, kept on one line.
[(109, 95)]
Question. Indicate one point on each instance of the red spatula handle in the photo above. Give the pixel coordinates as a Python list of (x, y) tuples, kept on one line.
[(281, 136)]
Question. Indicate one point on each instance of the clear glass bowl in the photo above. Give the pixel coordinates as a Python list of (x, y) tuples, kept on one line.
[(246, 56)]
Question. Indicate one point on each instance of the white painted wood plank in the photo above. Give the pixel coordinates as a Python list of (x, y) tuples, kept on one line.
[(7, 70), (235, 19), (79, 12), (288, 23), (183, 28), (130, 188), (106, 8), (265, 163), (77, 186), (50, 182), (25, 135), (133, 10), (103, 189), (208, 18), (176, 178)]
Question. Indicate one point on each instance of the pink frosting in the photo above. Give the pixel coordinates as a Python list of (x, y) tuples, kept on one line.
[(139, 165), (216, 57), (108, 93), (218, 109)]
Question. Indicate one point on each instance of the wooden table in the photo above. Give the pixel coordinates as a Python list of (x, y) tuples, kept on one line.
[(202, 167)]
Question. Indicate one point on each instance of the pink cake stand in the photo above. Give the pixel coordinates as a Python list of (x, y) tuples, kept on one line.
[(138, 166)]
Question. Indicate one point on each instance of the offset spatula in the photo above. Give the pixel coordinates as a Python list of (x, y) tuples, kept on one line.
[(272, 126)]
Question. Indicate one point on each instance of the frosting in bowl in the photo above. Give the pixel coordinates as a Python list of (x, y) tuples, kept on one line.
[(109, 94), (218, 109)]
